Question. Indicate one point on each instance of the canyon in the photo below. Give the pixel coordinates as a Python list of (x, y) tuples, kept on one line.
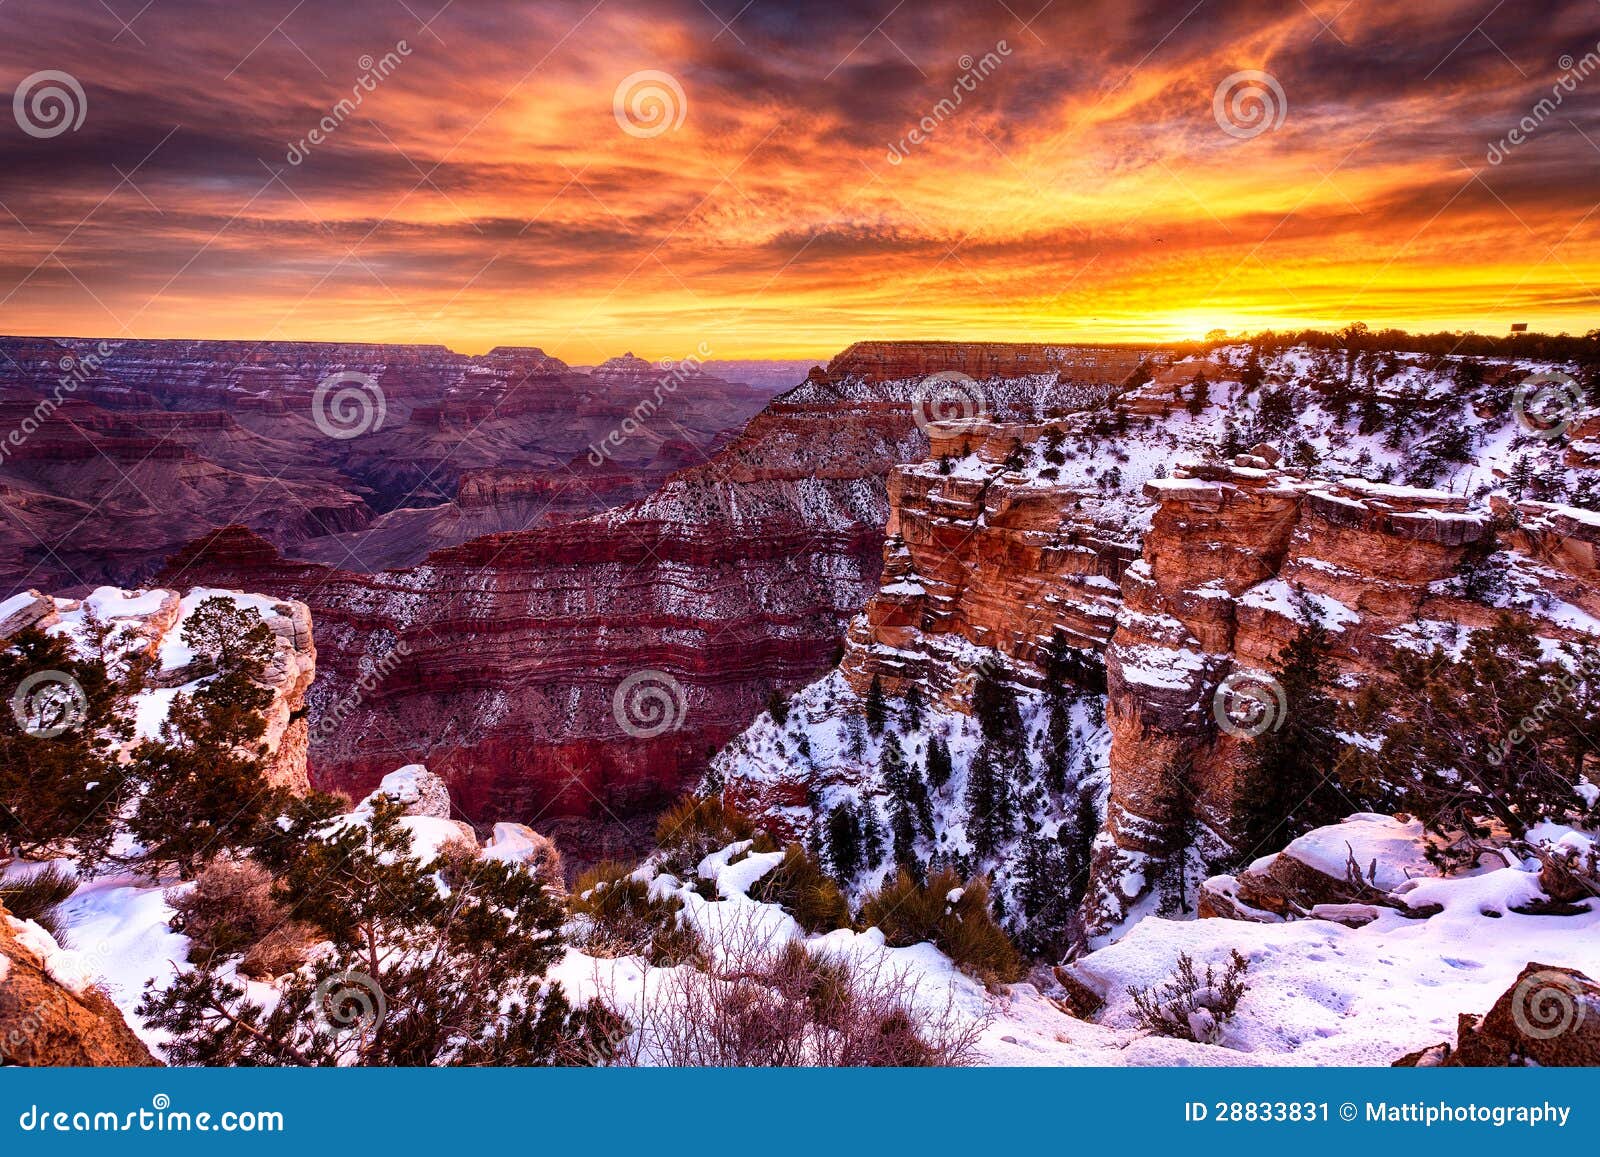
[(1175, 573), (504, 663), (118, 452)]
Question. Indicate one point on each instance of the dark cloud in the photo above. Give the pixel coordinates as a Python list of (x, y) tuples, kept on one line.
[(486, 179)]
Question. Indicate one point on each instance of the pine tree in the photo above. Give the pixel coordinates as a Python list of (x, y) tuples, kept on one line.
[(1043, 894), (871, 834), (1199, 394), (844, 841), (877, 711), (1288, 783), (199, 789), (1177, 821), (902, 814), (1057, 755), (1079, 838), (994, 704), (59, 777), (1521, 475), (991, 809), (1016, 457), (939, 767), (1503, 731), (419, 972), (228, 637), (778, 707), (911, 714), (1253, 374)]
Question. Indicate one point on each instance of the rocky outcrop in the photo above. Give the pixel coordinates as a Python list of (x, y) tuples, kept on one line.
[(1237, 556), (985, 560), (151, 621), (1549, 1017), (51, 1013), (516, 665), (1312, 877)]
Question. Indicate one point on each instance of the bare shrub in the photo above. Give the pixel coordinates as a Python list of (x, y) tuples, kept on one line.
[(810, 895), (694, 827), (1188, 1008), (760, 1004), (227, 908)]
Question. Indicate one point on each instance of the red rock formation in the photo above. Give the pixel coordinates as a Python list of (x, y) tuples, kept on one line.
[(500, 660), (46, 1021), (1229, 550), (115, 453)]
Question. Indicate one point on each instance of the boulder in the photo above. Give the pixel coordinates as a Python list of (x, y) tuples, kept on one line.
[(1311, 872), (50, 1014), (416, 788), (520, 844), (1549, 1017), (25, 610)]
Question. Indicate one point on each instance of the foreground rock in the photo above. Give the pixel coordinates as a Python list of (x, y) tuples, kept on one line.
[(1311, 876), (1549, 1017), (50, 1012)]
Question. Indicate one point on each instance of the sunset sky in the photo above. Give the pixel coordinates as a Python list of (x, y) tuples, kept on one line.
[(486, 192)]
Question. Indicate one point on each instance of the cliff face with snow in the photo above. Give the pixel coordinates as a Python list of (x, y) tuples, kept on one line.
[(1184, 572), (152, 622), (506, 662)]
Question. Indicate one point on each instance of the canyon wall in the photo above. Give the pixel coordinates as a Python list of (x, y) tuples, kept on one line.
[(517, 665)]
